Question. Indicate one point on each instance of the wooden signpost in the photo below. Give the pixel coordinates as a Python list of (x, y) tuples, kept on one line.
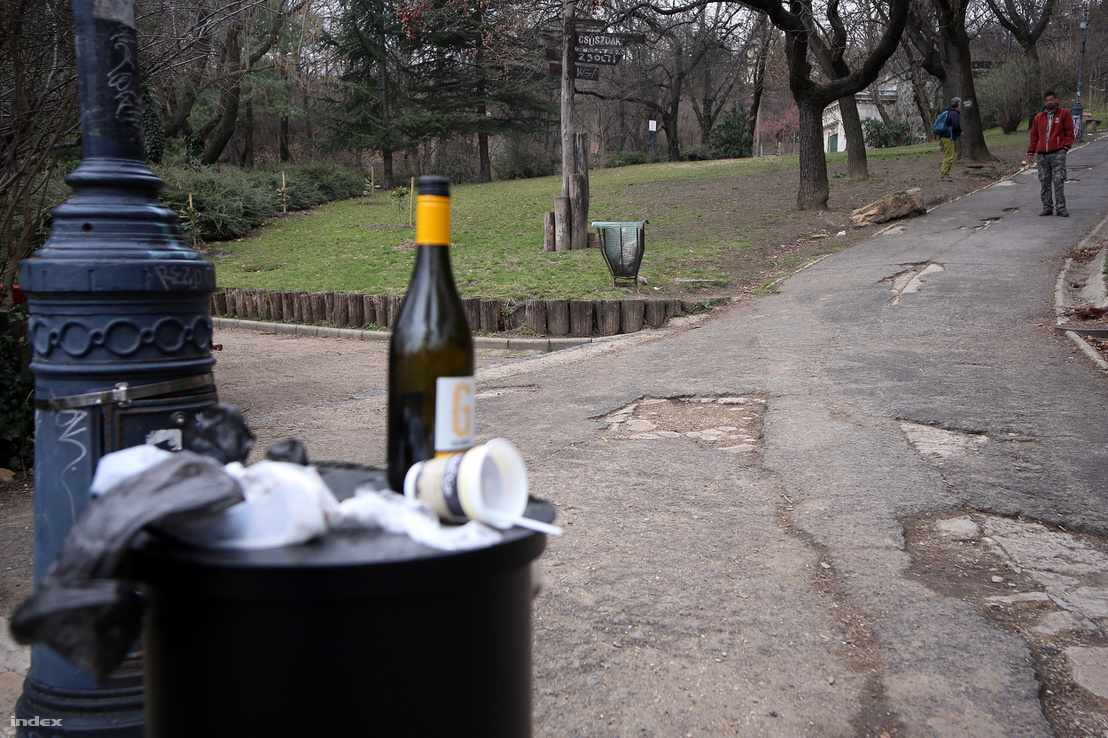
[(576, 53)]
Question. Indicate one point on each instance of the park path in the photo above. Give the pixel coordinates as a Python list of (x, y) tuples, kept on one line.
[(737, 492)]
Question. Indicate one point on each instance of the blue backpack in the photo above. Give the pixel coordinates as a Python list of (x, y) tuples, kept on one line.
[(941, 126)]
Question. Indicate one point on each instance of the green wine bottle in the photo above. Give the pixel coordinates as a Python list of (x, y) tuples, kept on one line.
[(431, 387)]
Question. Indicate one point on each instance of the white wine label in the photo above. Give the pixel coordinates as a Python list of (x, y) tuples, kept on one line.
[(453, 414)]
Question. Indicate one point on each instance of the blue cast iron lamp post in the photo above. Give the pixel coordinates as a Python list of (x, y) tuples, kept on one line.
[(121, 332), (1078, 111)]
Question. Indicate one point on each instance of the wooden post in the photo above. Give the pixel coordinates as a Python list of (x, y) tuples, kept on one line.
[(369, 310), (655, 313), (472, 308), (490, 315), (607, 317), (340, 313), (580, 317), (288, 306), (384, 318), (568, 124), (536, 316), (548, 231), (318, 302), (563, 236), (411, 203), (631, 315), (557, 317), (579, 212), (513, 317), (276, 311), (355, 315), (582, 157), (303, 307), (219, 303)]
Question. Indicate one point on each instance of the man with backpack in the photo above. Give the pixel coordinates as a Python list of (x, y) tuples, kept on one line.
[(1051, 138), (948, 127)]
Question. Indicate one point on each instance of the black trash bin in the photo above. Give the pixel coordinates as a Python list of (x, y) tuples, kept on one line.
[(360, 633)]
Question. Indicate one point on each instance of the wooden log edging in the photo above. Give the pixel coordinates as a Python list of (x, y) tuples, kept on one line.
[(553, 318)]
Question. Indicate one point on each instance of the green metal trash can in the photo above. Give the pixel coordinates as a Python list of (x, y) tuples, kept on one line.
[(623, 245)]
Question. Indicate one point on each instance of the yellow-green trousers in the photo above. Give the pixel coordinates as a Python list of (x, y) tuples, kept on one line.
[(948, 156)]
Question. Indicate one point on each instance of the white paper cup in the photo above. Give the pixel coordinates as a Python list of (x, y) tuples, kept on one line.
[(486, 483)]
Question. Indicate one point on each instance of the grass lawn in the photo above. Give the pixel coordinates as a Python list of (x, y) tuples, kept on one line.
[(717, 227)]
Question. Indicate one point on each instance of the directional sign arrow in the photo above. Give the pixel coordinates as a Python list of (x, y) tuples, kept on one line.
[(596, 57)]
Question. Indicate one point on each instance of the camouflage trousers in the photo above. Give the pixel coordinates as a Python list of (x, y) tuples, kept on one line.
[(1052, 174)]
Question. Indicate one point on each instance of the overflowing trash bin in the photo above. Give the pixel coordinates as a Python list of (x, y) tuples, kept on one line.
[(359, 632), (622, 245), (284, 598)]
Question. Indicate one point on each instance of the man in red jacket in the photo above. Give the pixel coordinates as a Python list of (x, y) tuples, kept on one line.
[(1051, 138)]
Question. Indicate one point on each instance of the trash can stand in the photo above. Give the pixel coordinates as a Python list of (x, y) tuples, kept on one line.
[(622, 244)]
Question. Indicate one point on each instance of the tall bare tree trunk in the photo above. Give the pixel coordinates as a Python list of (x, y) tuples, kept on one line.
[(857, 166), (759, 79), (814, 189), (959, 77)]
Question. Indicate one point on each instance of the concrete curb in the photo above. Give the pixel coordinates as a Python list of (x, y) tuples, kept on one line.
[(324, 331), (1095, 292)]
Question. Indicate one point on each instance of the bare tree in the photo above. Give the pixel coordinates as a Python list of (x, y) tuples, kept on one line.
[(938, 29), (658, 73), (191, 48), (38, 117), (1027, 25), (811, 96)]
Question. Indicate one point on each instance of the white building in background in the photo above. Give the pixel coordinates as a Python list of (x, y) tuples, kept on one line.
[(834, 136)]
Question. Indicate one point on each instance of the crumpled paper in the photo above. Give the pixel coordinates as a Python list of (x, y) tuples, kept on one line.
[(394, 513), (286, 504)]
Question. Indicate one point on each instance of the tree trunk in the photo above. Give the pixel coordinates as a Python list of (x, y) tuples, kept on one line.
[(248, 135), (919, 93), (759, 84), (386, 166), (673, 145), (856, 164), (485, 174), (814, 189), (567, 108), (1034, 84), (226, 128), (959, 80), (283, 152)]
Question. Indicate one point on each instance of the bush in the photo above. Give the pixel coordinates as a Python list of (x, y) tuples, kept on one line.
[(226, 204), (1003, 95), (627, 159), (230, 203), (880, 135), (521, 157), (698, 153), (16, 390), (730, 138)]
